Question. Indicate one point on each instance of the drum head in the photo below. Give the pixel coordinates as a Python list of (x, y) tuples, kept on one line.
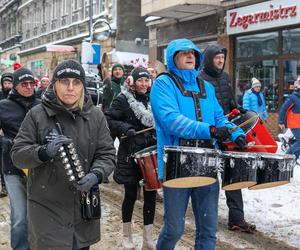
[(268, 185), (189, 182), (239, 185), (244, 117)]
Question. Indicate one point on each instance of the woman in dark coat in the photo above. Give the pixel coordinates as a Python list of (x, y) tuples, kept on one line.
[(129, 113), (54, 215)]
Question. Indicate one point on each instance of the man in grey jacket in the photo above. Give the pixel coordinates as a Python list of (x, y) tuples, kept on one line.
[(51, 194)]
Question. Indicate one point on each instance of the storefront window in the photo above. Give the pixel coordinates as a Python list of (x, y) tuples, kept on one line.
[(291, 72), (291, 41), (257, 45), (267, 72)]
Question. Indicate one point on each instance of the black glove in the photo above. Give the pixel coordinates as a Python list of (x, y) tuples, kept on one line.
[(241, 142), (50, 149), (131, 132), (220, 134), (242, 110), (85, 184)]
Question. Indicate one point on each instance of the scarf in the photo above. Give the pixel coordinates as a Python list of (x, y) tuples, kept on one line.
[(143, 114), (26, 102), (259, 100)]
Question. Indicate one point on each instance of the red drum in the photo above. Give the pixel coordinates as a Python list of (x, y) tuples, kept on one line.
[(146, 159), (239, 171), (188, 167), (256, 134), (274, 170)]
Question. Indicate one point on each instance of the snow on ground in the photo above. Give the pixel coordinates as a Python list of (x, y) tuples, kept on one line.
[(275, 211)]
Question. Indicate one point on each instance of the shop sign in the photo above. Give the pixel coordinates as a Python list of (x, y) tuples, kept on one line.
[(265, 15)]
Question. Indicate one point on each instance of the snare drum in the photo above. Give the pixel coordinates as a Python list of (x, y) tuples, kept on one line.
[(187, 167), (256, 133), (239, 171), (146, 159), (274, 170)]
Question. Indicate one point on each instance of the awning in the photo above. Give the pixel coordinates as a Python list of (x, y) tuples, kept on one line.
[(60, 48), (129, 58)]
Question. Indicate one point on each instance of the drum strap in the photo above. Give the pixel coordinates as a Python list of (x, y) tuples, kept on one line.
[(193, 94)]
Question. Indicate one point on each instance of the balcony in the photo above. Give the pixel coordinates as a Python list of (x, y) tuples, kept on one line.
[(179, 9)]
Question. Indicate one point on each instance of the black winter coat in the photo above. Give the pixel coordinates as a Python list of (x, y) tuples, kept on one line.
[(218, 78), (12, 113), (121, 118)]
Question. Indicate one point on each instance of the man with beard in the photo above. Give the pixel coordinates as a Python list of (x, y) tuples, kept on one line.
[(213, 71), (12, 112), (6, 85)]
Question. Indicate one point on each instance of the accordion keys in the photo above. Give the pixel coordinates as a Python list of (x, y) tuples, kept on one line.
[(61, 149), (65, 160), (63, 154), (69, 172), (67, 166), (72, 178)]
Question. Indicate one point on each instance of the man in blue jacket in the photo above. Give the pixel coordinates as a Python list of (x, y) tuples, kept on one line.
[(177, 121)]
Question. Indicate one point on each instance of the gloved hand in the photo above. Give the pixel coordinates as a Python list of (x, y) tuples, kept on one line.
[(85, 184), (241, 142), (131, 132), (242, 110), (50, 149), (220, 134)]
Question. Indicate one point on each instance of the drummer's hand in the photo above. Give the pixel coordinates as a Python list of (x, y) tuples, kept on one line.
[(220, 134), (131, 132), (242, 110), (241, 142), (281, 126)]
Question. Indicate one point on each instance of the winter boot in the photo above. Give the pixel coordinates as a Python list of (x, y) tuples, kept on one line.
[(127, 242), (3, 191), (148, 242)]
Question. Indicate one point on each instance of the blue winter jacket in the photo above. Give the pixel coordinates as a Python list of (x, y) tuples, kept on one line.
[(174, 113), (250, 102), (294, 100)]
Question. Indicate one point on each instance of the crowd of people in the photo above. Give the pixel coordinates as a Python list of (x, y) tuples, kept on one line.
[(187, 105)]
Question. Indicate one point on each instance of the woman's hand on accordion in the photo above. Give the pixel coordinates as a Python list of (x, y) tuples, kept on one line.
[(50, 149), (86, 182)]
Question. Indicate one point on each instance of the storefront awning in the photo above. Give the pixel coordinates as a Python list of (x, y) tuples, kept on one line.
[(59, 48), (129, 58)]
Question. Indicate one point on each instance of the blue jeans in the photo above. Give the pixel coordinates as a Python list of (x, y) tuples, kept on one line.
[(16, 188), (205, 208)]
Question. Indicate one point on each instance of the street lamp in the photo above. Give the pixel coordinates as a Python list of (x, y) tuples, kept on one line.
[(103, 34)]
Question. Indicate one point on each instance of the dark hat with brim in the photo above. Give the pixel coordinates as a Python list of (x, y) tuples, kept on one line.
[(22, 75)]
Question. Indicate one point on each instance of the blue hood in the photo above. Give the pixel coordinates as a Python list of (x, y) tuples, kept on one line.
[(183, 44)]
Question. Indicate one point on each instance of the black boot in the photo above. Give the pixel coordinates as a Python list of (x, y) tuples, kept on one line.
[(3, 191), (243, 226)]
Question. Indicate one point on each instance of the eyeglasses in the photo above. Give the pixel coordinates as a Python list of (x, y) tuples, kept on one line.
[(186, 52), (25, 84), (66, 82)]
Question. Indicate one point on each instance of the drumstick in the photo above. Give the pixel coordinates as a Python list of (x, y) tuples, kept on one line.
[(245, 123), (139, 132)]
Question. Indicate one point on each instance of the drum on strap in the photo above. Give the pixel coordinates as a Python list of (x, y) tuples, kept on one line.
[(146, 159), (256, 133), (274, 170), (187, 167), (239, 171)]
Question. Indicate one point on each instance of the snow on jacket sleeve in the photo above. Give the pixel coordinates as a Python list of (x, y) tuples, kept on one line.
[(166, 111)]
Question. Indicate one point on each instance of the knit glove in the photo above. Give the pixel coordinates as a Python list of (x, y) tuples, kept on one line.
[(220, 134), (241, 142), (85, 184), (50, 149)]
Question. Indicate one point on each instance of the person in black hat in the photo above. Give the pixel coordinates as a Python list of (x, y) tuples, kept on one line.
[(131, 112), (66, 115), (20, 100), (6, 85), (113, 86)]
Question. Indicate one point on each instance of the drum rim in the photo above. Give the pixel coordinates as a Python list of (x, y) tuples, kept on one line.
[(152, 152), (254, 155), (189, 149), (264, 155)]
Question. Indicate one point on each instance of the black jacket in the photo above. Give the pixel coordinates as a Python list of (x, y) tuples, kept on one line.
[(12, 113), (218, 78), (121, 118)]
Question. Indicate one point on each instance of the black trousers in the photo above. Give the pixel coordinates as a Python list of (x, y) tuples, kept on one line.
[(234, 200), (129, 201)]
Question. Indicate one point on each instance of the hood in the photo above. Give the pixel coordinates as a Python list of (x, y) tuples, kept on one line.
[(209, 53), (183, 44), (50, 101)]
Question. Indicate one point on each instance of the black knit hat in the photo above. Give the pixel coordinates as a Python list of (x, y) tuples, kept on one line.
[(21, 75), (69, 68), (6, 77), (139, 72)]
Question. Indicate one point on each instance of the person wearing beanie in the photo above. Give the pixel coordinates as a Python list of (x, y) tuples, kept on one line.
[(13, 110), (289, 117), (44, 84), (129, 113), (65, 117), (254, 99), (113, 87), (187, 113), (213, 72)]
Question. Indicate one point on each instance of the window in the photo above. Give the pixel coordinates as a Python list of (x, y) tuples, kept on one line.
[(291, 72), (291, 41), (257, 45), (54, 10), (64, 7)]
